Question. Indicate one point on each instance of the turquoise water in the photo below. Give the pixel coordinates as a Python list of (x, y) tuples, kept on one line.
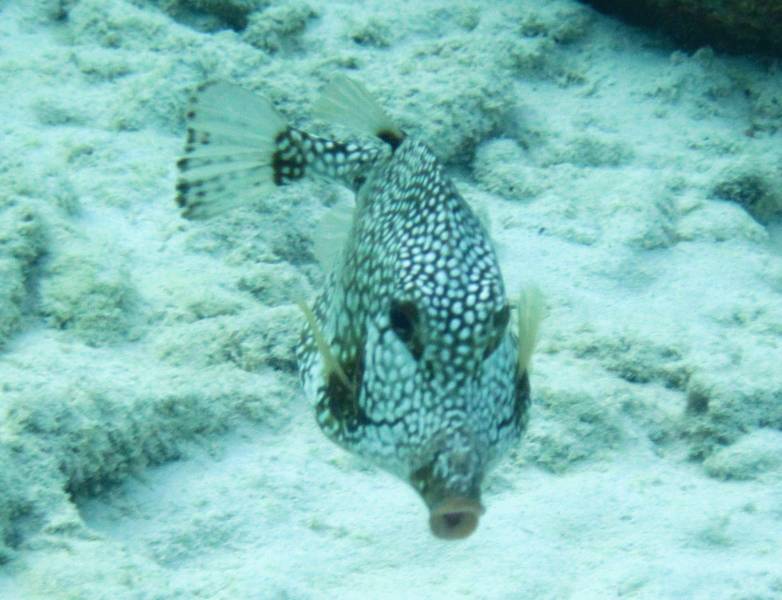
[(154, 441)]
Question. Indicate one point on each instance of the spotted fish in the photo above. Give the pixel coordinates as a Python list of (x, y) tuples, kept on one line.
[(407, 354)]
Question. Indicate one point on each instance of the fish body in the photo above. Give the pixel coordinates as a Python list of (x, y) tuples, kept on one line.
[(408, 356)]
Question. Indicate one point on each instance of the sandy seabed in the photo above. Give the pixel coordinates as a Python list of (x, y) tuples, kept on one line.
[(153, 439)]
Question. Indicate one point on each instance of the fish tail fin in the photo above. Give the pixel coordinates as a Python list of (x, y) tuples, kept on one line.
[(531, 311), (348, 103), (229, 154)]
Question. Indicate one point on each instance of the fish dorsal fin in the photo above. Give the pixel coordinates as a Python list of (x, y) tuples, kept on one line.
[(531, 310), (348, 103), (228, 153)]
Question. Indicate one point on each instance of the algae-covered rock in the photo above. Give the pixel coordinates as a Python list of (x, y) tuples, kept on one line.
[(635, 356), (501, 168), (277, 28), (754, 187), (11, 296), (274, 284), (89, 295), (573, 424), (27, 492), (252, 341), (591, 151), (372, 31), (210, 15), (89, 428), (22, 243), (718, 222), (464, 96), (731, 25), (723, 406), (753, 455)]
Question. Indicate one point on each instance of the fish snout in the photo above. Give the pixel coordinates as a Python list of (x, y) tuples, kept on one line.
[(449, 482), (455, 518)]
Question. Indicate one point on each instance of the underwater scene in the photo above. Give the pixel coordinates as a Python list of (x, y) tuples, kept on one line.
[(313, 299)]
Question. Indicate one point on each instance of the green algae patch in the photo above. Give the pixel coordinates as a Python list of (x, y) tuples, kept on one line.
[(751, 457), (22, 244), (66, 438), (92, 299)]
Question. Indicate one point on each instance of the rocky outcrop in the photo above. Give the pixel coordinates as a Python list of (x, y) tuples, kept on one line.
[(740, 26)]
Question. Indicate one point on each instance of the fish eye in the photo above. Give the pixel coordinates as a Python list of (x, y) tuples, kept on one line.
[(403, 316)]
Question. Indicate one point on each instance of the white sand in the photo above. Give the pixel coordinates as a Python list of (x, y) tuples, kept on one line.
[(153, 441)]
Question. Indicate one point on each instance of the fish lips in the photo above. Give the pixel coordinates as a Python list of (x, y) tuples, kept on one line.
[(455, 518)]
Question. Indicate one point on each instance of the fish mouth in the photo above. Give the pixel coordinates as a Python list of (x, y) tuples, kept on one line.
[(455, 518)]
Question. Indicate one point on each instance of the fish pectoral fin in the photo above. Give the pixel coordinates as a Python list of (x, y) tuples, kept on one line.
[(531, 311), (348, 103), (338, 410), (331, 364), (228, 154)]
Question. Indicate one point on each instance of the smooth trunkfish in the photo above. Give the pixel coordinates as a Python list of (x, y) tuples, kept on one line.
[(407, 355)]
